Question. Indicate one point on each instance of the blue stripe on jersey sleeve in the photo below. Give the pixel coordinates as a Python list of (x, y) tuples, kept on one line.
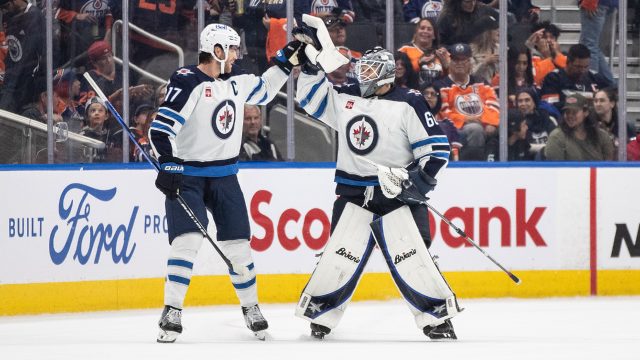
[(321, 108), (440, 154), (432, 140), (171, 115), (342, 180), (159, 126), (264, 98), (312, 92), (255, 90)]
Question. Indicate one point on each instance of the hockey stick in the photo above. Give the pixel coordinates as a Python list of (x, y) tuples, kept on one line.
[(155, 165), (407, 183)]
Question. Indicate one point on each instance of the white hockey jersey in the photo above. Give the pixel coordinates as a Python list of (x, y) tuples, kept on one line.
[(394, 130), (201, 118)]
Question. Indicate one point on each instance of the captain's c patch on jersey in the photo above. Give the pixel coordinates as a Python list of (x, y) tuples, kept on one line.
[(224, 119), (362, 134)]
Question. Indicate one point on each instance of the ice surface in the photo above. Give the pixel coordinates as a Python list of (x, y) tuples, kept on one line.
[(560, 328)]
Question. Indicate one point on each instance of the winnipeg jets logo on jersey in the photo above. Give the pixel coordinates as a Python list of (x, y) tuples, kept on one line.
[(224, 119), (362, 134), (184, 72), (469, 104)]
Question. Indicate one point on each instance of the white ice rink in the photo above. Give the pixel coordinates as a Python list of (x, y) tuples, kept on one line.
[(563, 328)]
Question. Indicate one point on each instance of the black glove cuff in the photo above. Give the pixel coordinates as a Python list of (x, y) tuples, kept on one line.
[(168, 158)]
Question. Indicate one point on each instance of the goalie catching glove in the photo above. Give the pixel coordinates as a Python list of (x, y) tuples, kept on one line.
[(320, 50), (409, 186), (169, 177)]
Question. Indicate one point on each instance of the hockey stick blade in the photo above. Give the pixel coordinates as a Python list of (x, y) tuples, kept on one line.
[(240, 269)]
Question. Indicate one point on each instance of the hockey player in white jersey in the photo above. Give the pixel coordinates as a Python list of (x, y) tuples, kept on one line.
[(197, 135), (377, 123)]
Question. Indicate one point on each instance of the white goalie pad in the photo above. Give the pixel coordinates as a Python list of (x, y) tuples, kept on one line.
[(416, 275), (325, 298)]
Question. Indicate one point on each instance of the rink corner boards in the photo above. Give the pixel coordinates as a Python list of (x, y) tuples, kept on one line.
[(83, 296)]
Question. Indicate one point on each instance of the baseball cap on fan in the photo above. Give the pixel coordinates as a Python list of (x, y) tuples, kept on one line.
[(460, 51), (98, 50)]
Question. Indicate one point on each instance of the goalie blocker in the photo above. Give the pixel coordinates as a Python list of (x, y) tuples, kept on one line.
[(326, 296)]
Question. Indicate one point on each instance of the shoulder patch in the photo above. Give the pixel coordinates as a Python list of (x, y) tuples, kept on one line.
[(184, 72)]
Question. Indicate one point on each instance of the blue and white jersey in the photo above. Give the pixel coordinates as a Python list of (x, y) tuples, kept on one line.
[(393, 130), (201, 118)]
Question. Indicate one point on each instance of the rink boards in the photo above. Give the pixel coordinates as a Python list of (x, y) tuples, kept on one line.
[(94, 238)]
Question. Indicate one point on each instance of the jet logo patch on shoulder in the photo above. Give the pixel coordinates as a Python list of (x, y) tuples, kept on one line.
[(184, 72), (224, 119), (362, 134)]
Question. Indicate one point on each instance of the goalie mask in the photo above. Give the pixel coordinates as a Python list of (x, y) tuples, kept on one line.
[(222, 35), (375, 68)]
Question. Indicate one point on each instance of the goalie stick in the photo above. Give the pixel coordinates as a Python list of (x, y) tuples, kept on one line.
[(406, 184), (155, 165)]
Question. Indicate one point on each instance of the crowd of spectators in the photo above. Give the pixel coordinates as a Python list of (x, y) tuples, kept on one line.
[(446, 49)]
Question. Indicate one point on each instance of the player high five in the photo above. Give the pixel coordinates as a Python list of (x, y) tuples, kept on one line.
[(377, 123), (197, 136)]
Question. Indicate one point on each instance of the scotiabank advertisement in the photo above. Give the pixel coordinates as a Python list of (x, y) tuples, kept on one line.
[(76, 225)]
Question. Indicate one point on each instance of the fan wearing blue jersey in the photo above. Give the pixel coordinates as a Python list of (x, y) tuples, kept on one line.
[(197, 135), (378, 125)]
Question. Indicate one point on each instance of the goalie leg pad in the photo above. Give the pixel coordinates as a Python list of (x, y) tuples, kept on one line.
[(239, 253), (182, 255), (412, 268), (325, 298)]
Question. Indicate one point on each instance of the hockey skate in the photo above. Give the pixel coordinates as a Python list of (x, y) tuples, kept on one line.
[(442, 331), (319, 331), (255, 321), (170, 324)]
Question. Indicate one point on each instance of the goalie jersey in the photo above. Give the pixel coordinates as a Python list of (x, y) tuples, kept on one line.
[(394, 130), (201, 118)]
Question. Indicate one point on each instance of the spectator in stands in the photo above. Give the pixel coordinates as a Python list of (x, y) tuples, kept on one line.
[(339, 8), (159, 94), (545, 49), (425, 52), (82, 23), (24, 34), (405, 76), (37, 109), (471, 105), (416, 10), (251, 21), (578, 138), (524, 11), (519, 148), (633, 148), (97, 115), (108, 76), (539, 123), (174, 21), (457, 17), (338, 33), (140, 130), (605, 106), (340, 76), (434, 100), (256, 146), (576, 77), (593, 14), (67, 86), (485, 49), (520, 72)]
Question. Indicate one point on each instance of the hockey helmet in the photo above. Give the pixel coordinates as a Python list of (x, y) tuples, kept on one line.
[(375, 68), (218, 34)]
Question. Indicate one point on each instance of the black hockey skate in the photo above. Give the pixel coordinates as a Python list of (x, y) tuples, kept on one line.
[(255, 321), (319, 331), (442, 331), (170, 324)]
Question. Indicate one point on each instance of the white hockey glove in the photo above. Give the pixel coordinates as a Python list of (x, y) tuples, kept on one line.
[(410, 187), (320, 50)]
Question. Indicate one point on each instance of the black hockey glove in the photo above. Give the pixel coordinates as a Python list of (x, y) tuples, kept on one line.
[(307, 35), (415, 189), (169, 177), (287, 57)]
